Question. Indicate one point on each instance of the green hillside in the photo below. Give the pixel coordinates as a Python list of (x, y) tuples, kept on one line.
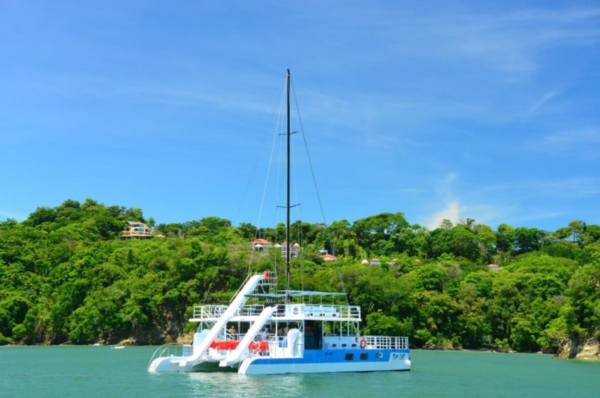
[(66, 277)]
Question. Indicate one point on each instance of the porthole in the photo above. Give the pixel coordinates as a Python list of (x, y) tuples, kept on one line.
[(379, 355)]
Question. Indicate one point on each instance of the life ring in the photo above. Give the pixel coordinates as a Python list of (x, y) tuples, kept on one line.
[(363, 343)]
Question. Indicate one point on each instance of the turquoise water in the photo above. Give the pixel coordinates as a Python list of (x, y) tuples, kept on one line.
[(47, 372)]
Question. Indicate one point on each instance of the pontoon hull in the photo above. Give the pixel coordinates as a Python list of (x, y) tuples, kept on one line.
[(330, 361), (173, 364)]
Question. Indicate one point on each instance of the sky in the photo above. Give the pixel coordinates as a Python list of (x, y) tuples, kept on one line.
[(437, 109)]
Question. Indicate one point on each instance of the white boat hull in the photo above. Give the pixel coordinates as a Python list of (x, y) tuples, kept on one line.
[(179, 364), (330, 361)]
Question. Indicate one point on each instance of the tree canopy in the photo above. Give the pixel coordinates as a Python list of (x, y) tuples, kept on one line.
[(66, 276)]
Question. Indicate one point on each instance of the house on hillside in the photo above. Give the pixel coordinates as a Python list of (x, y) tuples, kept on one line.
[(329, 258), (260, 244), (294, 249), (136, 230)]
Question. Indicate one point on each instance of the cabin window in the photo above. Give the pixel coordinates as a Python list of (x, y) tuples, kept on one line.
[(349, 357), (364, 356)]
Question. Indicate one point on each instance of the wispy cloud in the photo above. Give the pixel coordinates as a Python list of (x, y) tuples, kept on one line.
[(444, 187), (450, 212), (534, 215), (584, 143), (575, 187), (535, 109), (569, 188), (511, 42), (570, 139), (486, 211), (518, 202)]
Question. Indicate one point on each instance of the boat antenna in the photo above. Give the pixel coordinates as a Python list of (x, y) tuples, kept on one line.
[(287, 208)]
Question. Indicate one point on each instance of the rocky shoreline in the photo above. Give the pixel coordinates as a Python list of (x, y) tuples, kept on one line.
[(583, 348)]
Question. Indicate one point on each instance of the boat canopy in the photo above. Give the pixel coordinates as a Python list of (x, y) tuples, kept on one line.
[(293, 293)]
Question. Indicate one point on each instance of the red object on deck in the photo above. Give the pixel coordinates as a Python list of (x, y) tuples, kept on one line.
[(266, 274), (225, 344), (264, 346)]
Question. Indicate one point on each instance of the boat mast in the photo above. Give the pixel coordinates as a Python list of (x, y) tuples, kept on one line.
[(287, 224)]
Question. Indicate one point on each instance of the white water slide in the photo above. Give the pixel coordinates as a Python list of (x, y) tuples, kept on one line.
[(236, 355), (174, 364)]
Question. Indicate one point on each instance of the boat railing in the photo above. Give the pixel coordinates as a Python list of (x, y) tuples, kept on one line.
[(250, 309), (209, 311), (332, 311), (167, 350), (386, 342)]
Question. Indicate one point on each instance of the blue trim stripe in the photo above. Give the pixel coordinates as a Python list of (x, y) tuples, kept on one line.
[(331, 356)]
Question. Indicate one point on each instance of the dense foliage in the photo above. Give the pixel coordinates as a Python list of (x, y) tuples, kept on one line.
[(65, 276)]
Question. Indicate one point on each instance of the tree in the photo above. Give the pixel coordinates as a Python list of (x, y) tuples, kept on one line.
[(505, 238), (446, 224), (487, 240), (377, 228), (584, 298), (248, 231), (472, 320), (528, 239), (134, 214), (460, 241)]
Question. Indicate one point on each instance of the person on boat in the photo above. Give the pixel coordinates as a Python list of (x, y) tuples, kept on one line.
[(232, 330), (286, 329), (264, 334), (283, 336)]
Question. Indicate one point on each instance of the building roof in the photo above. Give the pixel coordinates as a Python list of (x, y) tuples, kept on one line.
[(261, 241)]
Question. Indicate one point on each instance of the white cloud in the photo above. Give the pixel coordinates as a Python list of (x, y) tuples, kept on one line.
[(450, 212)]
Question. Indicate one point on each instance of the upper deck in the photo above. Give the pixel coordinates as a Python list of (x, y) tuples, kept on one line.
[(288, 312)]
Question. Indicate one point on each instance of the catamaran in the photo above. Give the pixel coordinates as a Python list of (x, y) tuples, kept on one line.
[(289, 331)]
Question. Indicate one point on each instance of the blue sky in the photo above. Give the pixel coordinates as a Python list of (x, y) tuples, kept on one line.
[(442, 109)]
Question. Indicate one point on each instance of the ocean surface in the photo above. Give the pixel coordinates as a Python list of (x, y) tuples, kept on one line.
[(90, 372)]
